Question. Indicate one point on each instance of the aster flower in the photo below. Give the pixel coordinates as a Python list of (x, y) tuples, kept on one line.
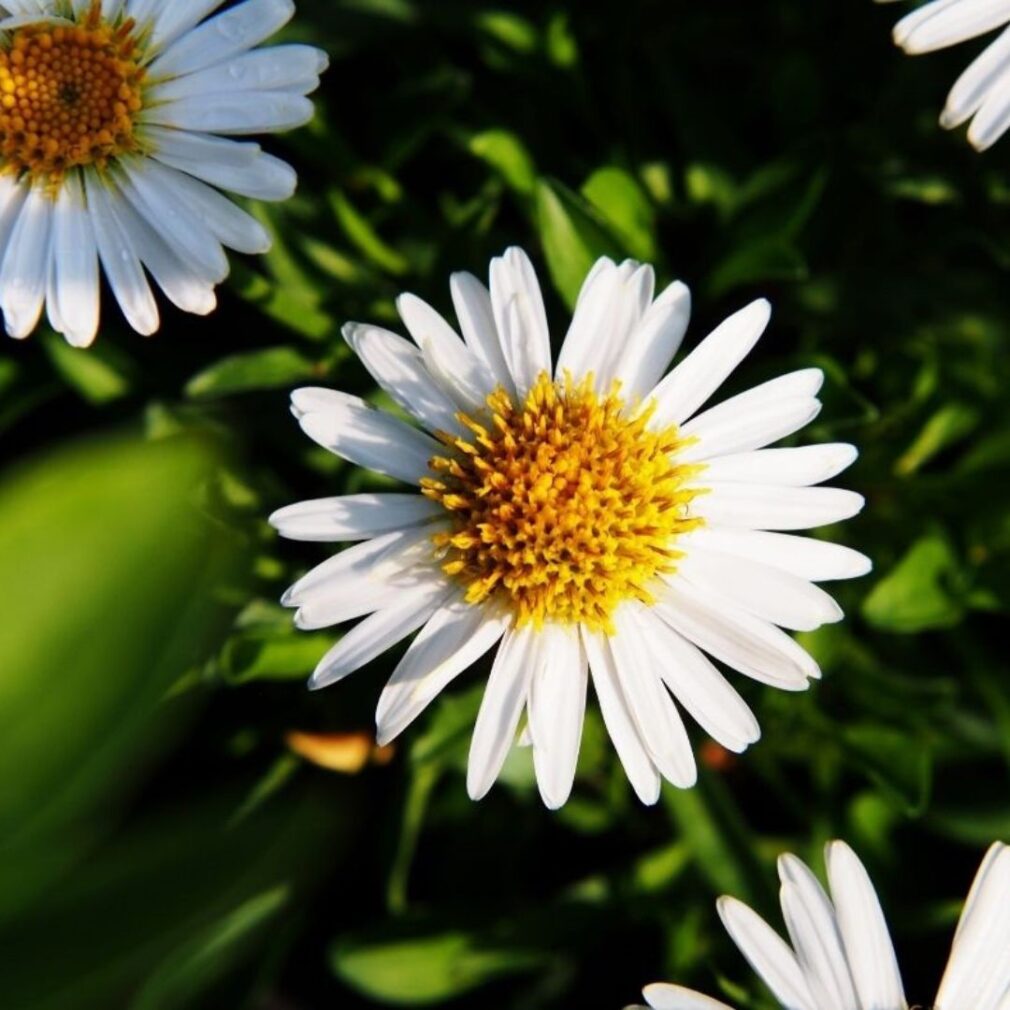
[(109, 115), (840, 955), (585, 516), (982, 92)]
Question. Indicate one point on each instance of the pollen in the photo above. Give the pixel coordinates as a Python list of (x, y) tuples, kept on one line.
[(69, 94), (562, 506)]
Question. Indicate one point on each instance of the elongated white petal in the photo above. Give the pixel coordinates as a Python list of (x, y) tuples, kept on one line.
[(978, 968), (865, 936), (767, 592), (461, 375), (983, 76), (454, 638), (654, 342), (704, 370), (380, 631), (638, 765), (947, 24), (816, 560), (399, 368), (472, 302), (557, 707), (371, 438), (500, 709), (800, 467), (520, 318), (755, 506), (75, 284), (353, 516), (810, 919), (768, 954), (993, 118), (651, 707), (25, 267), (663, 996), (699, 686), (749, 430), (735, 637)]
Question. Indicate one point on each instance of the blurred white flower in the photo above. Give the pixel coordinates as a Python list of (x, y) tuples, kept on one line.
[(585, 516), (840, 955), (982, 92), (109, 111)]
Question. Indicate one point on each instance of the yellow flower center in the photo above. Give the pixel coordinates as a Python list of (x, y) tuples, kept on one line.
[(68, 95), (564, 506)]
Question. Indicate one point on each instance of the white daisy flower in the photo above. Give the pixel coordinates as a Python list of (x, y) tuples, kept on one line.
[(982, 92), (840, 955), (586, 517), (109, 111)]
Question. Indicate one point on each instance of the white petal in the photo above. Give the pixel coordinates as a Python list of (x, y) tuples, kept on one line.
[(75, 281), (380, 631), (729, 634), (399, 368), (235, 30), (748, 430), (768, 954), (993, 118), (756, 506), (25, 269), (241, 113), (655, 341), (663, 996), (472, 302), (460, 374), (500, 709), (638, 766), (979, 968), (947, 25), (705, 369), (453, 639), (371, 438), (800, 467), (865, 936), (816, 560), (810, 919), (769, 593), (650, 704), (984, 74), (353, 516), (557, 708), (700, 687), (521, 319)]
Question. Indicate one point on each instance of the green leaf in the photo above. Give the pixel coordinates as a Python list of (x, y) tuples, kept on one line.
[(365, 238), (768, 258), (899, 763), (109, 575), (508, 156), (101, 373), (208, 955), (271, 368), (425, 969), (573, 235), (922, 591), (617, 195), (949, 425)]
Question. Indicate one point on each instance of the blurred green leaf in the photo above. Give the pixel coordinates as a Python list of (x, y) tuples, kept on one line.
[(101, 373), (949, 425), (271, 368), (365, 238), (507, 155), (921, 592), (899, 763), (109, 574), (209, 954), (617, 195), (573, 236), (425, 969)]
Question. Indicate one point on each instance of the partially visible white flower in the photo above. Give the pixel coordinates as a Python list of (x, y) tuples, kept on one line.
[(586, 518), (982, 92), (840, 955), (110, 116)]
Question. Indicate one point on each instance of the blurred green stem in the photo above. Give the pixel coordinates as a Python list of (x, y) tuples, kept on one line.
[(422, 781)]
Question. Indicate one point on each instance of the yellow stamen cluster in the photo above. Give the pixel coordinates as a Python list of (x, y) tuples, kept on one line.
[(562, 507), (68, 94)]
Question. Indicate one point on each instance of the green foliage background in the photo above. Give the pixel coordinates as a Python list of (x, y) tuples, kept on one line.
[(160, 846)]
